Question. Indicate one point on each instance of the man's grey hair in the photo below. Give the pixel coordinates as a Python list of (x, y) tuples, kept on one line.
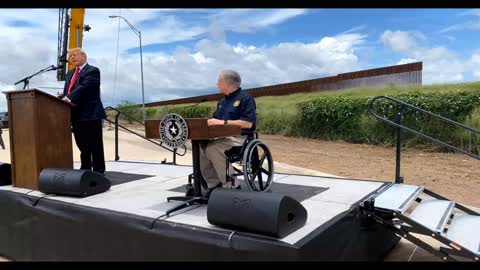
[(231, 77), (80, 50)]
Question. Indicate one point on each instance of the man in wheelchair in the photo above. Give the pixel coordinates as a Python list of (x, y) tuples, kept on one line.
[(236, 108)]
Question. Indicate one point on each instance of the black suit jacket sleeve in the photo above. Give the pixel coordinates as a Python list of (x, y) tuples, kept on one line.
[(87, 86)]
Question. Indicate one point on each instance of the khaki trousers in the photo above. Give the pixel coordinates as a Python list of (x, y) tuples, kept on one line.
[(212, 160)]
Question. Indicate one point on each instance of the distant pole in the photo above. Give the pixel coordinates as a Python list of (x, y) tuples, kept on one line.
[(141, 71), (139, 34)]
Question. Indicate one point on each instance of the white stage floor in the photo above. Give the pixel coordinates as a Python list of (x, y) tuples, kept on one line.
[(328, 197)]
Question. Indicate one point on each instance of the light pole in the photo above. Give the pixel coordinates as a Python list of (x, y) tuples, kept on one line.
[(139, 34)]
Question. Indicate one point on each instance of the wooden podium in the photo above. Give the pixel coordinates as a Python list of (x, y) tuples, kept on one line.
[(198, 131), (40, 135)]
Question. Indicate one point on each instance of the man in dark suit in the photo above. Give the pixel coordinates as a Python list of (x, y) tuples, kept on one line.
[(82, 88)]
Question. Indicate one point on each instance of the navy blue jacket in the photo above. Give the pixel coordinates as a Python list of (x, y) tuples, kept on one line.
[(85, 94), (238, 105)]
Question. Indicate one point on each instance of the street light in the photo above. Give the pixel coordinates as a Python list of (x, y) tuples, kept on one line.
[(139, 34)]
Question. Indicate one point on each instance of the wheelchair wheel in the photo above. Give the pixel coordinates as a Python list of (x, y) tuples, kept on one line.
[(257, 166)]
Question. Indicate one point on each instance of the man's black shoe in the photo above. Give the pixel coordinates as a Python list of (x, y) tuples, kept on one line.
[(209, 190)]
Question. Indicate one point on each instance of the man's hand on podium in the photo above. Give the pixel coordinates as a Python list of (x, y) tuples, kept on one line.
[(215, 122)]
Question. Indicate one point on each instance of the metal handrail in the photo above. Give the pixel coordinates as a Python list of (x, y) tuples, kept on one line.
[(118, 113), (399, 126)]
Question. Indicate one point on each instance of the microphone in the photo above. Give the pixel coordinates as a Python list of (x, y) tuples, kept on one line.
[(63, 58), (26, 80), (201, 101), (195, 105), (189, 109), (58, 67)]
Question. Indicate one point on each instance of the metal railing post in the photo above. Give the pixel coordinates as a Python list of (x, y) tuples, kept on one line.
[(117, 158), (117, 125), (398, 120), (399, 127)]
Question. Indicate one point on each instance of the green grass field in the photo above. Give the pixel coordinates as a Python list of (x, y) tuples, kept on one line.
[(279, 114), (287, 105)]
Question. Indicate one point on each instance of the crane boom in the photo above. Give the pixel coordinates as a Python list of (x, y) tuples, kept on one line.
[(76, 30), (63, 19), (71, 38)]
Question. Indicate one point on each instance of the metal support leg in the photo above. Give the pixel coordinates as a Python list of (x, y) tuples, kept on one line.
[(174, 156), (197, 198)]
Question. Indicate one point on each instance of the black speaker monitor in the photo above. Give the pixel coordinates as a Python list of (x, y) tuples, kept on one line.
[(271, 214), (5, 174), (78, 183)]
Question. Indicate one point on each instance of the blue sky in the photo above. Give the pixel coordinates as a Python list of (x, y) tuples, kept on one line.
[(183, 50)]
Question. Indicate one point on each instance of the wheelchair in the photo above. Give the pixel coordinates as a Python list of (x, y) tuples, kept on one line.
[(255, 162), (251, 161)]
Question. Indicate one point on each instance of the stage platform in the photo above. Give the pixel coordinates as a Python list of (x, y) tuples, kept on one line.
[(127, 222)]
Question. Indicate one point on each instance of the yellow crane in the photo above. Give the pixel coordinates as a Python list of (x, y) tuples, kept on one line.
[(70, 34)]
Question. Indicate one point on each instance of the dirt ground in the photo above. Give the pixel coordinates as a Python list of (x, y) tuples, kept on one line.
[(455, 176)]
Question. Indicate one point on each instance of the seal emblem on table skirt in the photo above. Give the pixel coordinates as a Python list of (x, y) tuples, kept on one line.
[(173, 130)]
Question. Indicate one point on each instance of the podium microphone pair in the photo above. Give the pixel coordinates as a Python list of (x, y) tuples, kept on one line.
[(52, 67), (57, 67), (194, 105), (61, 65)]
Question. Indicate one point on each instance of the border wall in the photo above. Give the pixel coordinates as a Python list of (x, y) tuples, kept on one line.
[(407, 74)]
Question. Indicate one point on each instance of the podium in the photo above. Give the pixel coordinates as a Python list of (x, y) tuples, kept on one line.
[(198, 132), (198, 129), (40, 135)]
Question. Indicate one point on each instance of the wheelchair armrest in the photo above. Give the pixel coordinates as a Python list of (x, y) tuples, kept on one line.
[(250, 134)]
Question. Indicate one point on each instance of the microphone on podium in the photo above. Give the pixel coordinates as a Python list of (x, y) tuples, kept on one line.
[(195, 105), (57, 67), (189, 110)]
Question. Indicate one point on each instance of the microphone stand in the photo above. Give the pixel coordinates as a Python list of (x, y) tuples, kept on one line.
[(26, 80)]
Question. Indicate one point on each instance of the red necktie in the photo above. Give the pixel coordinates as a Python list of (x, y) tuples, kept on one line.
[(72, 81)]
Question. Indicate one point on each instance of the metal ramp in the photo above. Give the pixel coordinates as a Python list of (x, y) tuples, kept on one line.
[(413, 210)]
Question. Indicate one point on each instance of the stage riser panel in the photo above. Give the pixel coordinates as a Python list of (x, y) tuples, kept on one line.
[(55, 231), (58, 231)]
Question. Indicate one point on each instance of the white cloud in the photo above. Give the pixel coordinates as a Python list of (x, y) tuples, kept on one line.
[(475, 64), (474, 12), (278, 16), (249, 20), (435, 59), (198, 68), (461, 26), (186, 71), (440, 65), (399, 41), (406, 61), (22, 56), (470, 25), (355, 29)]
